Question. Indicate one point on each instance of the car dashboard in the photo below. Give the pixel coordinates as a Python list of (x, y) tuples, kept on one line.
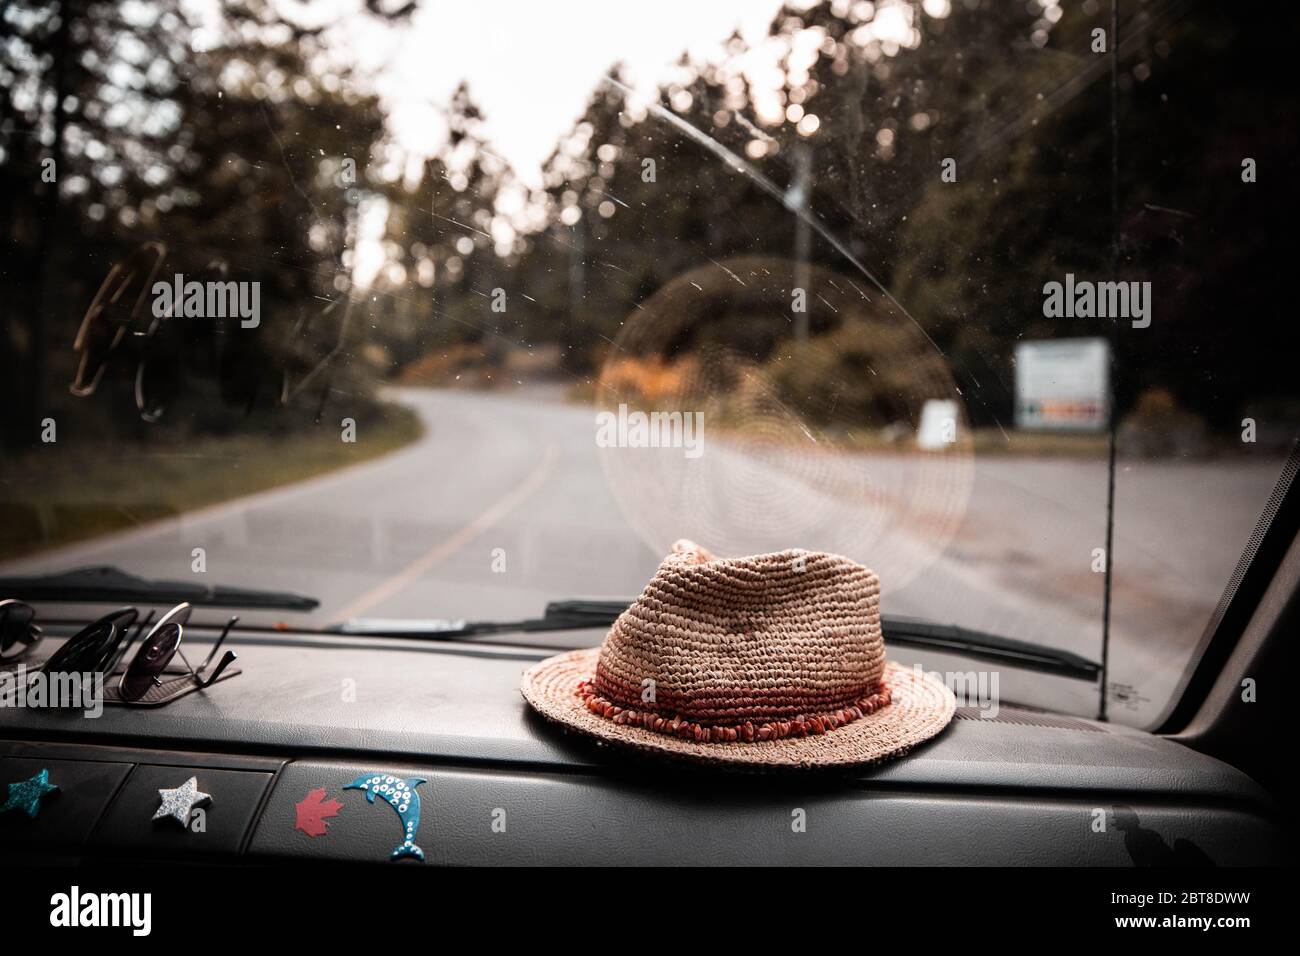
[(279, 750)]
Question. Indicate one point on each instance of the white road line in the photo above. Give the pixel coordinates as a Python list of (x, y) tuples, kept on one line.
[(449, 546)]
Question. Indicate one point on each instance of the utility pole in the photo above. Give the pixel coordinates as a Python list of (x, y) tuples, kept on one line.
[(577, 272)]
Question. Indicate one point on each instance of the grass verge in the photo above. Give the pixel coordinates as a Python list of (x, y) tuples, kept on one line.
[(57, 495)]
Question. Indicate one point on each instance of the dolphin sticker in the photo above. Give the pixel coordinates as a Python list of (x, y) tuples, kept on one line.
[(401, 796)]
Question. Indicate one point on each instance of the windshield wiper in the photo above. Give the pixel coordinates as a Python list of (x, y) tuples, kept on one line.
[(914, 632), (904, 631), (112, 585), (560, 616)]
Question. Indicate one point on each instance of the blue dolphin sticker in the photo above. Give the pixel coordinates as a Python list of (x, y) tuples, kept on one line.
[(401, 796)]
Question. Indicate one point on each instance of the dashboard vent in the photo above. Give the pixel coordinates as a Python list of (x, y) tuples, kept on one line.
[(1029, 718)]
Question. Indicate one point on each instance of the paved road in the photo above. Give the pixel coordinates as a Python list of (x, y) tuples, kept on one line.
[(506, 503)]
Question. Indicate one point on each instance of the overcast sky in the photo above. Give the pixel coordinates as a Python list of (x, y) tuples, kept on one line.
[(532, 64)]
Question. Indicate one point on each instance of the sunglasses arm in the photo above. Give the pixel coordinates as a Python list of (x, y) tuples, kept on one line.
[(229, 658), (234, 619)]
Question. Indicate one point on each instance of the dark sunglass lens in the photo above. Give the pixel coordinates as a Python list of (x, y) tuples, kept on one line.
[(82, 652), (91, 649), (150, 661)]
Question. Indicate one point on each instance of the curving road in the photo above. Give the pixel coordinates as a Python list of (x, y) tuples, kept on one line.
[(503, 504)]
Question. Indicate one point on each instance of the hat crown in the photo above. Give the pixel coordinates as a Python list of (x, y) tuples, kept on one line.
[(726, 642)]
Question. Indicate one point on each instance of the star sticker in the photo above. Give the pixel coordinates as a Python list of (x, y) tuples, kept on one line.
[(180, 802), (26, 795)]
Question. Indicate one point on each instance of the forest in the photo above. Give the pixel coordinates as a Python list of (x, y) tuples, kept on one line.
[(987, 153)]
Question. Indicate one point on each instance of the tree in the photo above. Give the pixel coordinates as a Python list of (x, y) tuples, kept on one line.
[(443, 235), (232, 156)]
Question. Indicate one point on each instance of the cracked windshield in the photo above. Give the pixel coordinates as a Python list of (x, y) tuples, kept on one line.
[(434, 312)]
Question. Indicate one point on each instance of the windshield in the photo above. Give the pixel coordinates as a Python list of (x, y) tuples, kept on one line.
[(434, 311)]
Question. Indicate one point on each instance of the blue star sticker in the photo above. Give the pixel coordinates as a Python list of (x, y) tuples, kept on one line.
[(26, 795)]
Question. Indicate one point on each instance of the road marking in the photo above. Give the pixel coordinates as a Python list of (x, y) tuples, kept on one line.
[(449, 546)]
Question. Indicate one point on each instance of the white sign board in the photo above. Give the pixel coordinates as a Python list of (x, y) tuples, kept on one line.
[(1063, 384), (938, 427)]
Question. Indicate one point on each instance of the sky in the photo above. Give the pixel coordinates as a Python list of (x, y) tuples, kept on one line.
[(532, 65)]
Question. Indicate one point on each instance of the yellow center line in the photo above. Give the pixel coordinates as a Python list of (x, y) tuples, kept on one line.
[(449, 546)]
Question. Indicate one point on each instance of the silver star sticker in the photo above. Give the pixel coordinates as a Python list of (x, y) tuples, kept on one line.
[(180, 802)]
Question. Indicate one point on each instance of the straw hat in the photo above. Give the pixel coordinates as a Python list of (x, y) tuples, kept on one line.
[(769, 661)]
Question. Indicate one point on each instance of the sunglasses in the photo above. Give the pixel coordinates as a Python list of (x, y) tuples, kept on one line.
[(18, 633), (161, 645), (96, 648), (99, 647)]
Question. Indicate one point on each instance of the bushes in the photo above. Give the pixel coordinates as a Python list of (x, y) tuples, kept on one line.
[(466, 364), (865, 374)]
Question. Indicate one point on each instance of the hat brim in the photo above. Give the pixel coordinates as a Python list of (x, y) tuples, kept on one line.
[(921, 707)]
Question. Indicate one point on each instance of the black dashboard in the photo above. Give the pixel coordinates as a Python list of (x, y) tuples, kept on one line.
[(276, 748)]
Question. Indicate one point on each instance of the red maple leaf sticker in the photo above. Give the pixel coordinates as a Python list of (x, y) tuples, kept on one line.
[(312, 811)]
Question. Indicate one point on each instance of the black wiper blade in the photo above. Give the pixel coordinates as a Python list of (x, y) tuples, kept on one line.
[(111, 585), (903, 631), (913, 632), (560, 616)]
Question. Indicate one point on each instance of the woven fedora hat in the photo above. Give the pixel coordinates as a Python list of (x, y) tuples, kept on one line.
[(770, 661)]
